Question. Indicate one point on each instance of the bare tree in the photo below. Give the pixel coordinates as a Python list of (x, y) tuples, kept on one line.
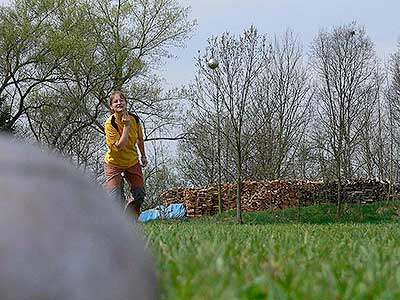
[(369, 158), (204, 96), (281, 108), (197, 151), (393, 112), (344, 62), (240, 61)]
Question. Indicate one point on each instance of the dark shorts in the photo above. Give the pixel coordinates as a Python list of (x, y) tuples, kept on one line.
[(135, 180)]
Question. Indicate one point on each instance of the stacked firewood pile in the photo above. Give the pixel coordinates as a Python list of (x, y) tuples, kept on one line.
[(277, 194), (360, 191)]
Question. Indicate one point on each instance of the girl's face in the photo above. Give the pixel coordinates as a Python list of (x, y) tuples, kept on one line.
[(118, 104)]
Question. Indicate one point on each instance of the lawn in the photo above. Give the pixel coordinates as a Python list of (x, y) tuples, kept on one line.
[(291, 254)]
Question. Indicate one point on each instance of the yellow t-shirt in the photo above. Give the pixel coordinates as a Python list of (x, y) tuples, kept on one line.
[(127, 156)]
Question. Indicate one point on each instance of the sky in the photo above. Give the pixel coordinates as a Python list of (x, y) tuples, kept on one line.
[(273, 17)]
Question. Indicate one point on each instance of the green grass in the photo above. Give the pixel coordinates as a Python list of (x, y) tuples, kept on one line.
[(291, 254), (378, 212)]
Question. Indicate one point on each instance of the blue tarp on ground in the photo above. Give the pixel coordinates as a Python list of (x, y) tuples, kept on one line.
[(173, 211)]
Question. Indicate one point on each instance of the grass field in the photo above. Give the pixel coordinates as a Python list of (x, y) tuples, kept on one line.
[(290, 254)]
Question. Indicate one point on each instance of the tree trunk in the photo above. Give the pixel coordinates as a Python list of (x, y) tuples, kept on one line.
[(239, 188), (339, 179), (219, 152), (339, 198)]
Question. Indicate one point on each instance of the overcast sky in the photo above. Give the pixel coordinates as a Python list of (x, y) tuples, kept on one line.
[(274, 17)]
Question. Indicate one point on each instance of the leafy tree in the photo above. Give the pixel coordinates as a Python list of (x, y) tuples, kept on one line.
[(27, 63), (4, 115), (62, 58)]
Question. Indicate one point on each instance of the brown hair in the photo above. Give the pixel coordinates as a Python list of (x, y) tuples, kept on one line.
[(113, 94)]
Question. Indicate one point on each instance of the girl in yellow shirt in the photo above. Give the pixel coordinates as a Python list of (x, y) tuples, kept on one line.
[(124, 137)]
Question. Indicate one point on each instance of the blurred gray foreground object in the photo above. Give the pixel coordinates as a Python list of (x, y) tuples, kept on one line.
[(61, 237)]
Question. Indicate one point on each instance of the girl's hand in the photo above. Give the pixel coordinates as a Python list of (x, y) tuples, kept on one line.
[(144, 161), (126, 119)]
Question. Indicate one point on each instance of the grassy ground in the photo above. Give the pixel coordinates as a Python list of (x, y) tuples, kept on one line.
[(291, 254)]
